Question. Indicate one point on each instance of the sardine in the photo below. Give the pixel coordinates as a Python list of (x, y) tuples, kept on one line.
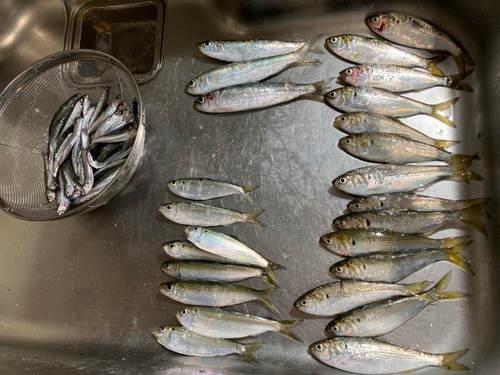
[(215, 294), (107, 112), (415, 32), (363, 50), (115, 138), (204, 270), (400, 79), (227, 247), (63, 202), (75, 113), (382, 102), (100, 184), (255, 95), (50, 181), (63, 152), (200, 189), (410, 201), (219, 323), (186, 250), (412, 222), (88, 173), (206, 215), (397, 149), (364, 122), (388, 178), (340, 296), (238, 73), (373, 357), (379, 318), (354, 242), (244, 50), (100, 106), (397, 266), (183, 341)]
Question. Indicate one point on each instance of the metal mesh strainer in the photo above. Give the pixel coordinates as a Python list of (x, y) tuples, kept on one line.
[(27, 106)]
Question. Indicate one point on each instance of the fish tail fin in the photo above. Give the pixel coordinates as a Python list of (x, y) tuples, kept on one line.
[(433, 61), (466, 58), (319, 92), (417, 288), (460, 173), (270, 277), (455, 82), (264, 297), (247, 190), (276, 266), (320, 85), (460, 64), (302, 52), (444, 144), (454, 241), (461, 158), (286, 324), (250, 217), (453, 256), (438, 108), (470, 216), (247, 352), (449, 361)]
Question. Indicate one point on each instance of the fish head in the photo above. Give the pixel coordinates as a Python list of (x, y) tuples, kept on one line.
[(194, 233), (172, 289), (339, 43), (63, 207), (187, 316), (171, 268), (350, 181), (352, 221), (337, 98), (162, 334), (322, 350), (177, 186), (343, 326), (195, 86), (382, 24), (338, 242), (207, 102), (211, 47), (351, 123), (169, 210), (51, 196), (173, 248), (314, 301), (347, 269), (355, 75), (368, 203), (360, 144)]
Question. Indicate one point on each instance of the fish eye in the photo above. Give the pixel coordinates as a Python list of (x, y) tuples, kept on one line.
[(303, 302), (163, 329), (347, 141), (170, 287), (353, 243), (191, 83), (201, 99), (342, 119), (327, 296), (319, 347), (196, 228), (167, 266), (169, 207), (184, 311), (374, 19), (333, 39), (173, 183), (358, 320), (343, 180), (342, 223), (348, 71), (171, 246), (332, 94), (329, 241), (338, 269), (335, 328), (206, 44)]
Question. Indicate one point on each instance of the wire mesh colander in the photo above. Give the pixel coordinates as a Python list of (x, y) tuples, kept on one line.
[(27, 106)]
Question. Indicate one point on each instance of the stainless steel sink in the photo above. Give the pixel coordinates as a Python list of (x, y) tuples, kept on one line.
[(80, 295)]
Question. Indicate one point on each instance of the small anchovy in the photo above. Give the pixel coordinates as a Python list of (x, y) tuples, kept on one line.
[(412, 222), (255, 95), (50, 182), (379, 318), (399, 79), (182, 341), (397, 149), (354, 242), (99, 185), (238, 73), (388, 178), (219, 323), (215, 294), (244, 50), (206, 215), (382, 102), (373, 357), (410, 201), (63, 202), (101, 105), (63, 152), (115, 138), (187, 251), (88, 173), (338, 297), (75, 113), (110, 109), (364, 50), (200, 189), (415, 32), (364, 122), (397, 266), (204, 270)]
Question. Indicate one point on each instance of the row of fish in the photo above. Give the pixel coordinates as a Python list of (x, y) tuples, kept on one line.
[(207, 265), (382, 238), (87, 146)]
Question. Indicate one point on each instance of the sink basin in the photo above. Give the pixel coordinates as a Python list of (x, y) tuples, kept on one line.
[(80, 295)]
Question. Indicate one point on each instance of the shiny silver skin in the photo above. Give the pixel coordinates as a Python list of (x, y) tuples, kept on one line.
[(200, 189)]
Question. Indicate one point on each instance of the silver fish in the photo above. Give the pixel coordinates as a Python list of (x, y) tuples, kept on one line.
[(412, 222), (388, 178), (204, 270), (186, 250), (379, 318), (100, 106), (400, 79), (200, 189), (183, 341), (219, 323), (415, 32), (100, 184), (255, 95), (397, 266), (50, 181), (88, 173), (63, 202), (63, 152), (382, 102), (410, 201), (397, 149), (244, 50), (75, 113), (206, 215), (363, 50), (227, 247), (238, 73), (364, 122), (340, 296), (354, 242), (107, 112), (215, 294), (373, 357), (115, 138)]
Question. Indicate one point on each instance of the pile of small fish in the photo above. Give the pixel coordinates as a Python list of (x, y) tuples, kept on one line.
[(235, 87), (87, 146), (382, 239), (207, 265)]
